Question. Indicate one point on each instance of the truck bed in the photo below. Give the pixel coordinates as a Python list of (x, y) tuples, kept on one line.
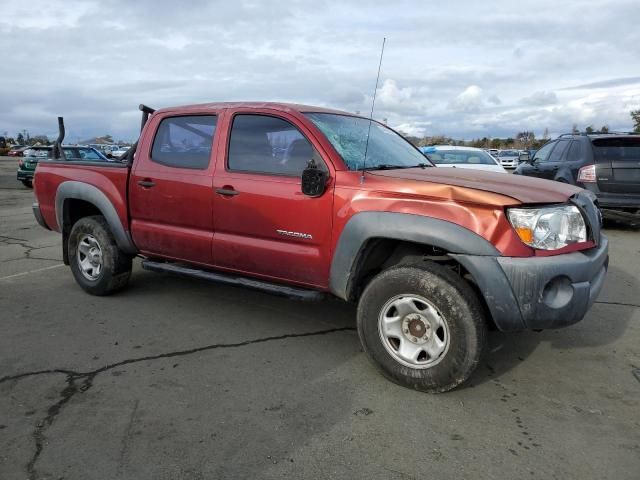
[(108, 177)]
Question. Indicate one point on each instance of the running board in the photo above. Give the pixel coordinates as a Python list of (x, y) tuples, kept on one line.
[(273, 288)]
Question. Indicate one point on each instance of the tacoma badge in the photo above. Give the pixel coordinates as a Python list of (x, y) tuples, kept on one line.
[(286, 233)]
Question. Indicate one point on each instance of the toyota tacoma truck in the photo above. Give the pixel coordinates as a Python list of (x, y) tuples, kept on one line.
[(306, 201)]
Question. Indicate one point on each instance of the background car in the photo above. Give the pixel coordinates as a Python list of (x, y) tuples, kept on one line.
[(509, 158), (27, 164), (606, 164), (118, 152), (17, 151), (462, 157)]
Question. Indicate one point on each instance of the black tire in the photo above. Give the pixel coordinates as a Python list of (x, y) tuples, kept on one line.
[(27, 183), (457, 305), (115, 266)]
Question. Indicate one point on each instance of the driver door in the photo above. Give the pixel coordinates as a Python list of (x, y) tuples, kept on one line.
[(548, 168), (264, 224), (532, 168)]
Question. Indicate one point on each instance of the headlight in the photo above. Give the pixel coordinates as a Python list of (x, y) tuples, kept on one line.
[(548, 228)]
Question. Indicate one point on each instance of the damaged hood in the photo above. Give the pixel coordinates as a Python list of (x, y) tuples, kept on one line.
[(521, 188)]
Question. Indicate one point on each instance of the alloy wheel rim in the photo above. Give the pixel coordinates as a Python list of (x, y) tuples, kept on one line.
[(89, 257)]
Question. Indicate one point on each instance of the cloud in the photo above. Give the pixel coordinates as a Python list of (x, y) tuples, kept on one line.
[(540, 98), (462, 70), (416, 129), (470, 100), (394, 99), (612, 82)]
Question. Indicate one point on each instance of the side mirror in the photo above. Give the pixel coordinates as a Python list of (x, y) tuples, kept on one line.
[(524, 157), (314, 180)]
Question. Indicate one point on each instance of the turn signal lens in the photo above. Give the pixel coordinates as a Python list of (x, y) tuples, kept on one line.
[(587, 174), (525, 234)]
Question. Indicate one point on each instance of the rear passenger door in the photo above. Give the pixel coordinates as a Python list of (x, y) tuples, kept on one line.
[(264, 224), (548, 167), (170, 197)]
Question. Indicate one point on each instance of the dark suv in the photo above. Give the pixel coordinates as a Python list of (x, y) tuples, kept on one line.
[(606, 164)]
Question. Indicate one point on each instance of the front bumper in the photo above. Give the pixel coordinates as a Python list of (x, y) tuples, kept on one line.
[(25, 175), (540, 292), (508, 164)]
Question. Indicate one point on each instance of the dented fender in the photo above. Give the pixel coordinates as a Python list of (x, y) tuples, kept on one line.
[(364, 226)]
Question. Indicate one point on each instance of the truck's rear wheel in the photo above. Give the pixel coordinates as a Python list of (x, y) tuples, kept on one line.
[(423, 326), (97, 263)]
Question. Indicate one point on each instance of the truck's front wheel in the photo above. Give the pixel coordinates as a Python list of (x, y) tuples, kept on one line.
[(97, 263), (423, 326)]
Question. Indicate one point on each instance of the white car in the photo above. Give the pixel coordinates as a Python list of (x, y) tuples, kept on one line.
[(462, 157), (509, 158), (119, 152)]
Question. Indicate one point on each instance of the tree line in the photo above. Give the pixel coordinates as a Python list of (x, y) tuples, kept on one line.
[(522, 140), (525, 140), (23, 138)]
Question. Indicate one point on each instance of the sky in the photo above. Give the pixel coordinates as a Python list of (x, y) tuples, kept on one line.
[(465, 69)]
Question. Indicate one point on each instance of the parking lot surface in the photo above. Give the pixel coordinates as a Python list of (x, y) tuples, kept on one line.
[(181, 379)]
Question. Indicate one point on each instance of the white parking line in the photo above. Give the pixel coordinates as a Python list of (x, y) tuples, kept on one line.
[(32, 271)]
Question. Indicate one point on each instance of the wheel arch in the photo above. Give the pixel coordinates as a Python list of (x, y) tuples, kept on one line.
[(367, 237), (75, 200), (565, 175)]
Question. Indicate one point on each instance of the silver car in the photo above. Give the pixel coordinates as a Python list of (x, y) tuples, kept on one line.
[(509, 158)]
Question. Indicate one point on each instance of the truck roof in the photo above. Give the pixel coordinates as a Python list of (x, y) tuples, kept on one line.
[(284, 107)]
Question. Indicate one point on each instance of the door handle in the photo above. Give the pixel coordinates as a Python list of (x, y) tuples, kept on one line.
[(146, 183), (227, 191)]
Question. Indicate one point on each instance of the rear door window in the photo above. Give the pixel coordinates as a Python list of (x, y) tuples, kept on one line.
[(184, 142), (558, 152), (88, 154)]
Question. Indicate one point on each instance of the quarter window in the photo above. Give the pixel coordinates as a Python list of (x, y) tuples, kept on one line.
[(575, 151), (264, 144), (184, 142)]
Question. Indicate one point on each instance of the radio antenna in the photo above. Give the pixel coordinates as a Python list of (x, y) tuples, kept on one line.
[(373, 103)]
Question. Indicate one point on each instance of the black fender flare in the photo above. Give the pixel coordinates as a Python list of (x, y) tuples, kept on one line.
[(364, 226), (89, 193)]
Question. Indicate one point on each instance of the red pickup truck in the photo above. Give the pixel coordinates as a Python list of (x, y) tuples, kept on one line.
[(305, 201)]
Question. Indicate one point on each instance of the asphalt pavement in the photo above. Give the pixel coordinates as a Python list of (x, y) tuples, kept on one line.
[(182, 379)]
